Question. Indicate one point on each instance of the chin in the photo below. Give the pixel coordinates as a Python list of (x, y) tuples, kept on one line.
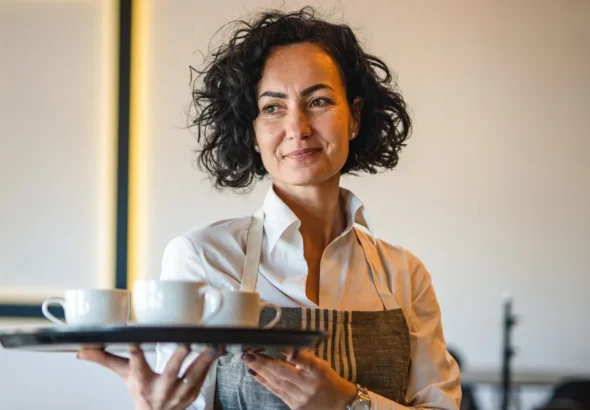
[(309, 179), (313, 174)]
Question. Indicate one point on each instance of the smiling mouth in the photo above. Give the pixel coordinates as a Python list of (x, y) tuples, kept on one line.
[(302, 153)]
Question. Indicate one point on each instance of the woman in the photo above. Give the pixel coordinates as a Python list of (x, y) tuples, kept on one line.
[(297, 98)]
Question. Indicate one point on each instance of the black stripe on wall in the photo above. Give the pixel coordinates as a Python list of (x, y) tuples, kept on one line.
[(125, 17)]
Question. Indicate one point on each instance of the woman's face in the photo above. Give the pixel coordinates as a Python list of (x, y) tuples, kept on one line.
[(305, 122)]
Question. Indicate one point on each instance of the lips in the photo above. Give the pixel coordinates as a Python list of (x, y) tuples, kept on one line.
[(302, 153)]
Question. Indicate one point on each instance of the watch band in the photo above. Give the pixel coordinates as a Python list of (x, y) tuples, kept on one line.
[(362, 397)]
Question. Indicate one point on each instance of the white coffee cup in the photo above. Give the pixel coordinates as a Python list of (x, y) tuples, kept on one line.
[(91, 307), (242, 309), (173, 302)]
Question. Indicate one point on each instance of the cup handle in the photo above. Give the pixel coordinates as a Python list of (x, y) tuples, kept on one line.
[(47, 313), (277, 317), (217, 299)]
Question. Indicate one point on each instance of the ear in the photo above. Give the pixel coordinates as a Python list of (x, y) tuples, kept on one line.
[(355, 116)]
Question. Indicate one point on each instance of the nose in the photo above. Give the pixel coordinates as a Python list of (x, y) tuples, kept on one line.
[(298, 126)]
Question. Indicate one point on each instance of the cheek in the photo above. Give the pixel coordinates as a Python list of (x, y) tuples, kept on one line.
[(334, 128), (338, 140), (268, 138)]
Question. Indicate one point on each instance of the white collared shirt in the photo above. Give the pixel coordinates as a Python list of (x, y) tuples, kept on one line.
[(216, 254)]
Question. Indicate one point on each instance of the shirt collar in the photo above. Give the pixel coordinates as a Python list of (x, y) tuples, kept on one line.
[(278, 217)]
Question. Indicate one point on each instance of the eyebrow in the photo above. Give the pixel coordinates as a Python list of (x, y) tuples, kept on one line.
[(304, 93)]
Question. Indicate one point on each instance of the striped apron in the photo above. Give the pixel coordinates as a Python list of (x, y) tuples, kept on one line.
[(368, 348)]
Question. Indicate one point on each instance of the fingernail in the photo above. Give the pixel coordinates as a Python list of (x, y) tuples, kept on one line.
[(251, 372), (248, 358)]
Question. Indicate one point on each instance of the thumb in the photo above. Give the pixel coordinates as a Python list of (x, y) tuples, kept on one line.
[(117, 364)]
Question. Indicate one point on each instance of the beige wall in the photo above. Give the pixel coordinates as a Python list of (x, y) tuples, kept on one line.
[(57, 146), (492, 191)]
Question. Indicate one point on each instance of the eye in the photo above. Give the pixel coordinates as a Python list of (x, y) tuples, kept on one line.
[(271, 109), (320, 102)]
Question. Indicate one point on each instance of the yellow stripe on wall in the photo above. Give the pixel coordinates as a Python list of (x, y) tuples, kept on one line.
[(108, 148), (137, 143)]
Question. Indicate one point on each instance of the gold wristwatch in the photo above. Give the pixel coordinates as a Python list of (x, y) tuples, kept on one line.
[(362, 401)]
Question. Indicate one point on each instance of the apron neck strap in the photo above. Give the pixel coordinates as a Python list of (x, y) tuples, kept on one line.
[(253, 251), (380, 279)]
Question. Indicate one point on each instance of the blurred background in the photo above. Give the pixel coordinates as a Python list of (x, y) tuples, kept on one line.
[(97, 171)]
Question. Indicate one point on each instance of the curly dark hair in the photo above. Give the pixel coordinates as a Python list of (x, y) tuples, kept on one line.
[(226, 105)]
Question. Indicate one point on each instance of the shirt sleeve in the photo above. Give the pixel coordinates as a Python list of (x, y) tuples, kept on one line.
[(434, 376), (181, 262)]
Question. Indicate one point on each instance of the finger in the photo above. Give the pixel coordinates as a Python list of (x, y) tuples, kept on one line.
[(291, 353), (266, 366), (305, 361), (138, 366), (276, 372), (118, 364), (253, 350), (194, 376), (174, 365)]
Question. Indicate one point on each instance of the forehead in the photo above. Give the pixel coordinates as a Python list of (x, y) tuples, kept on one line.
[(299, 66)]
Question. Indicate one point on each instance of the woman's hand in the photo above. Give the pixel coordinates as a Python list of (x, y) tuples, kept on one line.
[(152, 391), (303, 382)]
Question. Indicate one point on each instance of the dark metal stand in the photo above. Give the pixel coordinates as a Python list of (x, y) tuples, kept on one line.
[(507, 354)]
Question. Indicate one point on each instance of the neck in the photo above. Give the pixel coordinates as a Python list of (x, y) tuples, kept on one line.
[(318, 208)]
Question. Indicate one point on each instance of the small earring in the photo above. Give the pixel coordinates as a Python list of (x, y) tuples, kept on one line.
[(256, 148), (353, 136)]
